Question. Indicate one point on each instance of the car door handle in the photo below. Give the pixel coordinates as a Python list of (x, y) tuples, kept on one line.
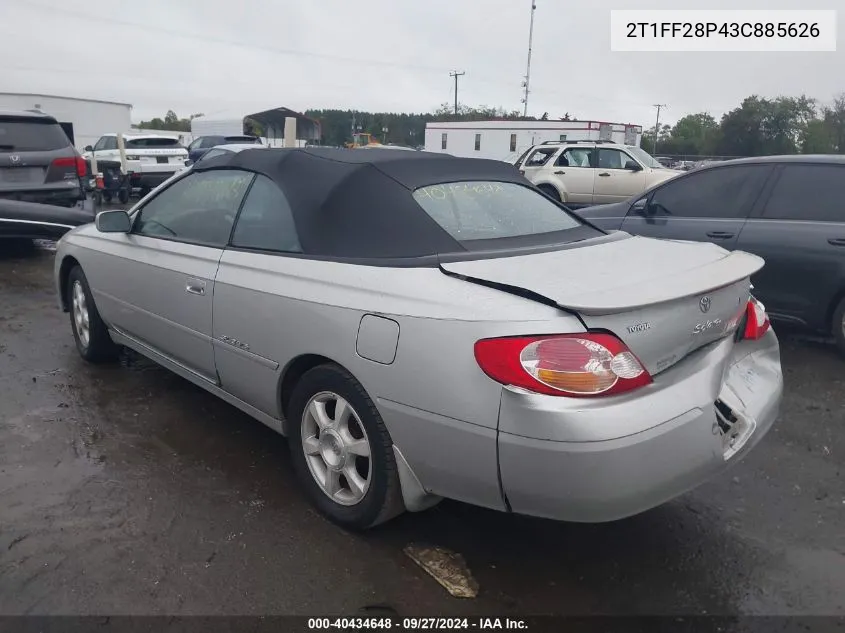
[(604, 173), (560, 173), (195, 287), (836, 241), (719, 235)]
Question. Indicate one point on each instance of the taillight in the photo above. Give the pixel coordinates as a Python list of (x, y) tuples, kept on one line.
[(76, 162), (756, 321), (574, 365)]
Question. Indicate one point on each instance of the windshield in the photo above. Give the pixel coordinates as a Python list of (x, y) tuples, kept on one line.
[(480, 210), (644, 157), (31, 135)]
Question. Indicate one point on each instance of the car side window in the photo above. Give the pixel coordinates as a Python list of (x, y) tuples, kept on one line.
[(266, 220), (195, 144), (111, 142), (210, 141), (212, 153), (808, 192), (199, 208), (612, 159), (540, 157), (101, 144), (576, 157), (721, 192)]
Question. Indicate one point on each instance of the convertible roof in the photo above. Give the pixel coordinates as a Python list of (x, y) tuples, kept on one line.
[(353, 204)]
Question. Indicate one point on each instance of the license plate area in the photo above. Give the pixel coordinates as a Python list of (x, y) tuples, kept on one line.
[(18, 175), (733, 427), (162, 160)]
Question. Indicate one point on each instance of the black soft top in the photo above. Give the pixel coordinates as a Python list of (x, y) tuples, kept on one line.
[(359, 204)]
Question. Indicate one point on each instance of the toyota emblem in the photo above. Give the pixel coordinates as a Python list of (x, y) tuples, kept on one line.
[(704, 303), (14, 158)]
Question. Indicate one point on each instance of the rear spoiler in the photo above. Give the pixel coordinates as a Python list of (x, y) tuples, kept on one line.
[(735, 266)]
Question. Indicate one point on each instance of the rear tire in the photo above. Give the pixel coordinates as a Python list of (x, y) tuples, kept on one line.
[(89, 332), (838, 326), (550, 191), (344, 460)]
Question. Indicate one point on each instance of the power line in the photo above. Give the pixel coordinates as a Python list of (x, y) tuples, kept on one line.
[(88, 17), (456, 74)]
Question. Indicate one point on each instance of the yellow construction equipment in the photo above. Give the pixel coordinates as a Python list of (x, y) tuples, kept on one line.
[(362, 139)]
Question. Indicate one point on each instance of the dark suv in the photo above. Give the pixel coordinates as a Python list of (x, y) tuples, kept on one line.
[(202, 144), (790, 210), (38, 163)]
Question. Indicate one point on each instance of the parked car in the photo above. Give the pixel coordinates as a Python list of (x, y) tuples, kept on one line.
[(38, 163), (151, 158), (202, 144), (582, 173), (423, 326), (221, 150), (31, 220), (787, 209)]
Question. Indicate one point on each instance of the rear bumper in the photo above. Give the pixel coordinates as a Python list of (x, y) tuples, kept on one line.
[(150, 179), (65, 197), (605, 480)]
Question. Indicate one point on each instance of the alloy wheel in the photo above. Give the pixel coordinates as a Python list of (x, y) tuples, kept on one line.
[(337, 449), (81, 317)]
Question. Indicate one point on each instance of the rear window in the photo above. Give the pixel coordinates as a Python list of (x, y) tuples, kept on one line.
[(482, 210), (231, 140), (137, 143), (31, 135)]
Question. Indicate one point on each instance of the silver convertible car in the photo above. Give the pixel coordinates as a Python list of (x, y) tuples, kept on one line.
[(422, 326)]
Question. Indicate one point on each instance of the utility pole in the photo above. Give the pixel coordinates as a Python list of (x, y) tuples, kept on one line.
[(456, 74), (657, 126), (528, 69)]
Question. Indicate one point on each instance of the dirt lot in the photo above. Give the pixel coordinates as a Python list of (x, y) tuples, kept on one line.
[(126, 490)]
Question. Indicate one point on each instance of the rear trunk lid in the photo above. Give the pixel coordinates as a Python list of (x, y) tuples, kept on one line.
[(663, 298)]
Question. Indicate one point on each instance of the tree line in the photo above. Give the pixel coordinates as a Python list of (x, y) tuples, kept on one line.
[(759, 126), (337, 125)]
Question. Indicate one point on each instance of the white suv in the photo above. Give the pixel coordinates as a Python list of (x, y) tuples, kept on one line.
[(151, 159), (583, 173)]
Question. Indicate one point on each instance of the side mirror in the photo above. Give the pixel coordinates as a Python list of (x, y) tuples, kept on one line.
[(633, 165), (189, 162), (113, 221), (88, 148), (639, 207)]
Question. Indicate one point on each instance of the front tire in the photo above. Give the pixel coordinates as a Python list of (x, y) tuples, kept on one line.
[(838, 326), (341, 451), (89, 332)]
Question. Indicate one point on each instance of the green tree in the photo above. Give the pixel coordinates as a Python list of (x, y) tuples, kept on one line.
[(170, 122), (693, 134), (817, 138), (647, 141), (761, 127)]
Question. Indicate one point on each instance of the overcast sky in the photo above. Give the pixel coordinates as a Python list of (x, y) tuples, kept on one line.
[(233, 57)]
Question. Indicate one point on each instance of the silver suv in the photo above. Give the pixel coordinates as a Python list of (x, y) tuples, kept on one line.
[(583, 173)]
